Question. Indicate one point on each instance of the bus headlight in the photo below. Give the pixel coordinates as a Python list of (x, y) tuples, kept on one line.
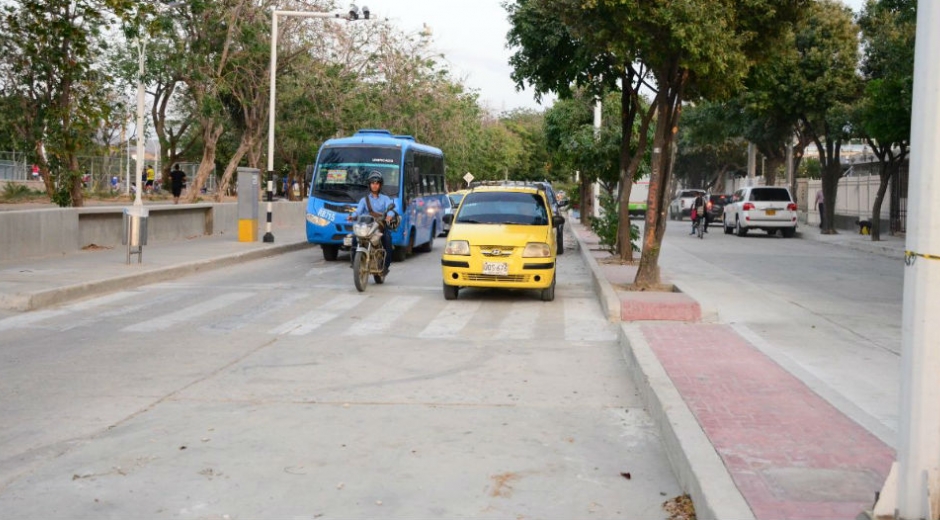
[(457, 247), (317, 221), (537, 250)]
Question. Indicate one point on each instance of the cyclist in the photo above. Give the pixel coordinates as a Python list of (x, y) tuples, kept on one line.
[(378, 204), (700, 207)]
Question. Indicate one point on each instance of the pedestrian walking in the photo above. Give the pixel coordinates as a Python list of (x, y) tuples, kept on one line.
[(151, 176), (177, 181), (821, 208)]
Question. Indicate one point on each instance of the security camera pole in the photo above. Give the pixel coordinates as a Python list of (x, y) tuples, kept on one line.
[(352, 15)]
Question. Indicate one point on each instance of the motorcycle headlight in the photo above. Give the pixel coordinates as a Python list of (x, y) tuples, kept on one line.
[(317, 221), (457, 247), (362, 229), (537, 250)]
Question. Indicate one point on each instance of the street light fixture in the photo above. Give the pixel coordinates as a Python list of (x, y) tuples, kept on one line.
[(351, 15)]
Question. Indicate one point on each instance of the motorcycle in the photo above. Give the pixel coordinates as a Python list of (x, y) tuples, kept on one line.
[(369, 254)]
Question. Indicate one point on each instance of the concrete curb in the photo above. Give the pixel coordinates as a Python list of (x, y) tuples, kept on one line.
[(68, 293), (696, 464)]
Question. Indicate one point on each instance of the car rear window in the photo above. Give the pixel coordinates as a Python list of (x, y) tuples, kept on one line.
[(503, 208), (720, 199), (770, 195)]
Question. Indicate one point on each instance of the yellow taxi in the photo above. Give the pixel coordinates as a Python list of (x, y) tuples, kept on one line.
[(502, 237)]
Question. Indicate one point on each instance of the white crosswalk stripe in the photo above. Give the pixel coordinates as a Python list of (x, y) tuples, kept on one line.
[(291, 314), (521, 321), (451, 320), (324, 313), (30, 318), (155, 323), (383, 318)]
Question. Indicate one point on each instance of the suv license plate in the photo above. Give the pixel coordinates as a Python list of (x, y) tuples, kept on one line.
[(771, 212), (347, 241), (496, 268)]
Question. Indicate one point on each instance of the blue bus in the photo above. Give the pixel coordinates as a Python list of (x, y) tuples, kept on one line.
[(413, 176)]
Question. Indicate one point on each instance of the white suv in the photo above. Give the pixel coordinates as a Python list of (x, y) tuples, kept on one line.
[(761, 207)]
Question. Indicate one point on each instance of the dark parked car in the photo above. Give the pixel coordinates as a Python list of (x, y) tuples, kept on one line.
[(716, 206)]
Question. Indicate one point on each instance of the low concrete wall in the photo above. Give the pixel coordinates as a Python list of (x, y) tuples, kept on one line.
[(52, 231)]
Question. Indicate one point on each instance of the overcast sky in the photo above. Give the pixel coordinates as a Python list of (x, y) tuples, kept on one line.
[(472, 36)]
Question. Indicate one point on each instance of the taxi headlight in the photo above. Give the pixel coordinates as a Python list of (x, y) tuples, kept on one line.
[(317, 221), (537, 250), (457, 247)]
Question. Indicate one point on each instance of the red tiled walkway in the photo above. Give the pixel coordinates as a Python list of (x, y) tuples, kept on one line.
[(791, 454)]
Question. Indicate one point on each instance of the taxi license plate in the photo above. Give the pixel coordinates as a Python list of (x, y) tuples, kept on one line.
[(496, 268), (771, 212), (347, 241)]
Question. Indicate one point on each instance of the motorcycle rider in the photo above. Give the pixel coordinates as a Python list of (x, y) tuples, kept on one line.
[(377, 204)]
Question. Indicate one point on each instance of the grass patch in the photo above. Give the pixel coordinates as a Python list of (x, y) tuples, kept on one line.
[(13, 192)]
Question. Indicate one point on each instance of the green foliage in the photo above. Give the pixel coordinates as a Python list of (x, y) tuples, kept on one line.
[(13, 192), (606, 225), (888, 32), (810, 168)]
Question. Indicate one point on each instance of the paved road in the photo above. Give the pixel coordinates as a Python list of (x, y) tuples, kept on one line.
[(274, 389), (829, 315)]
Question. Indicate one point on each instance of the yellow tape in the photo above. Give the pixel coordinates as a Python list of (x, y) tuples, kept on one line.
[(910, 256)]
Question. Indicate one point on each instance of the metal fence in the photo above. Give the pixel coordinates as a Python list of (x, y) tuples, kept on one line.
[(114, 173)]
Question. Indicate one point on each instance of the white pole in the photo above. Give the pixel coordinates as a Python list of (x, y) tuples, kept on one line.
[(919, 428), (268, 235), (597, 132), (751, 163), (139, 166), (273, 73)]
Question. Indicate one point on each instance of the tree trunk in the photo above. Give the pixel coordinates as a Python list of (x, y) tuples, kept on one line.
[(226, 179), (75, 177), (831, 173), (772, 164), (587, 199), (668, 106), (212, 130), (624, 228), (887, 171)]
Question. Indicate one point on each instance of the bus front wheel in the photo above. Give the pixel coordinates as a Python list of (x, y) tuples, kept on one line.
[(330, 252)]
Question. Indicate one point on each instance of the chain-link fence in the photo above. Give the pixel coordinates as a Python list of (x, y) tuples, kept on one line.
[(111, 173)]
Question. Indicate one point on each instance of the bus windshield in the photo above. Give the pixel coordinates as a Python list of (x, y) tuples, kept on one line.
[(342, 171)]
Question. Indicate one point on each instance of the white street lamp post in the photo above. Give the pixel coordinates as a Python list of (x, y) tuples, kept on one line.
[(139, 165), (352, 15)]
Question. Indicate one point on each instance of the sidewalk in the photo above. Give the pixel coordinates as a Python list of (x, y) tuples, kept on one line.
[(745, 437), (39, 282)]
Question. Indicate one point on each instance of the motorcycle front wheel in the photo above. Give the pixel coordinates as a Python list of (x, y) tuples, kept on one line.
[(360, 271)]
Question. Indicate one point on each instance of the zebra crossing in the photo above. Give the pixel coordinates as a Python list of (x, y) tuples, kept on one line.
[(167, 307)]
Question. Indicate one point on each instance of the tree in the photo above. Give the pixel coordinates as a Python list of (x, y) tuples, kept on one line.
[(888, 31), (61, 95), (692, 50), (822, 84), (710, 145)]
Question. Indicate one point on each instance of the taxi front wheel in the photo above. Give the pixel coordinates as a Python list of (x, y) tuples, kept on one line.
[(450, 292)]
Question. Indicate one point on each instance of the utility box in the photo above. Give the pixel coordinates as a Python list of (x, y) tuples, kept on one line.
[(248, 190)]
